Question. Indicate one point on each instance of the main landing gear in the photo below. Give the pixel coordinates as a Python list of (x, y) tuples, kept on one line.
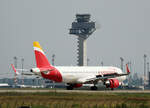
[(112, 89), (94, 88), (69, 87)]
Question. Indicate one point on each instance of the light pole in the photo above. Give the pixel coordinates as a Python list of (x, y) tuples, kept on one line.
[(102, 63), (122, 60), (129, 76), (145, 56), (15, 78), (53, 59), (148, 71), (22, 62), (147, 67), (15, 61), (53, 63), (88, 61)]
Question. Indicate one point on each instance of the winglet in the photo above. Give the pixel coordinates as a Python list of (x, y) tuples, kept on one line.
[(14, 69), (127, 69)]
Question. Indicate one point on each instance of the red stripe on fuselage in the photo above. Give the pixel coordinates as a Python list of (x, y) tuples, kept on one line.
[(106, 72)]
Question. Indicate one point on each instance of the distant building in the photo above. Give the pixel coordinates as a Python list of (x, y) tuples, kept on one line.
[(149, 79), (31, 82)]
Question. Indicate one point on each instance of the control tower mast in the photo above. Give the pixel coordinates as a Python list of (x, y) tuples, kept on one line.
[(83, 28)]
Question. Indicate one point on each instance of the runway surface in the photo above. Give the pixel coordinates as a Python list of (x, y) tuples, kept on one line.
[(72, 91)]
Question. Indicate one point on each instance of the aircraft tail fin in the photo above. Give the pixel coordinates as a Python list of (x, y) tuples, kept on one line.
[(127, 69), (14, 69), (41, 59)]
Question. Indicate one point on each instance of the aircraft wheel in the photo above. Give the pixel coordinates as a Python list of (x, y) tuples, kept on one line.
[(94, 88), (112, 89), (69, 87)]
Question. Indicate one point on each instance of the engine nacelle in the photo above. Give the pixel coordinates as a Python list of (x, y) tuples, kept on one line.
[(35, 70), (77, 85), (112, 83)]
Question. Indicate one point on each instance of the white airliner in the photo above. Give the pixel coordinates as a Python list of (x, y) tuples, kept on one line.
[(75, 76)]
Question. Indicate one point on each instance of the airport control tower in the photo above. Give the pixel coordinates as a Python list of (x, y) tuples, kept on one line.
[(82, 27)]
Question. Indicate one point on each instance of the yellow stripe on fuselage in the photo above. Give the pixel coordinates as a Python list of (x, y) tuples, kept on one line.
[(36, 44)]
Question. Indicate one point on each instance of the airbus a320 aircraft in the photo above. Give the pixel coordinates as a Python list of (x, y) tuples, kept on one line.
[(75, 76)]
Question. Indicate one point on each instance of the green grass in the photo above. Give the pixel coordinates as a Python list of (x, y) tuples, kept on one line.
[(75, 100)]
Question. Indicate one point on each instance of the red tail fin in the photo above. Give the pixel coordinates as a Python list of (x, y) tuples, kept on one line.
[(41, 59), (13, 68), (127, 68)]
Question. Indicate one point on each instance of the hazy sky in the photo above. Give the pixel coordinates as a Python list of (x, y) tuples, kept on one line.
[(124, 32)]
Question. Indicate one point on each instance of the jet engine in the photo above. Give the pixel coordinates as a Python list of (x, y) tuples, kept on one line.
[(71, 86), (77, 85), (112, 83), (35, 70)]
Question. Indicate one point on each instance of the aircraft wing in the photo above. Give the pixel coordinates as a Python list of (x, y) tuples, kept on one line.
[(104, 77)]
